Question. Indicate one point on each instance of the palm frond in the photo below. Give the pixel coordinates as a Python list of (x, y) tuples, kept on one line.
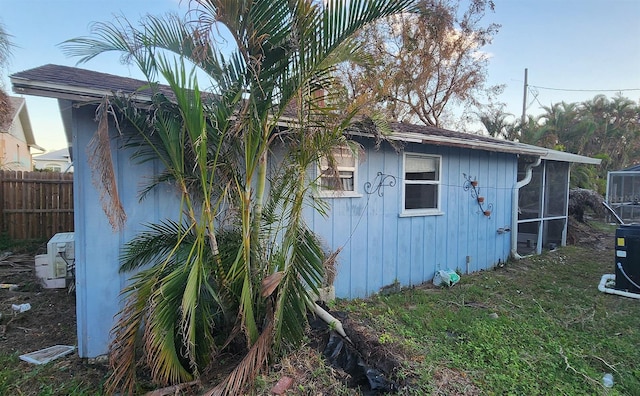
[(160, 242), (176, 301), (303, 275), (255, 359), (126, 334)]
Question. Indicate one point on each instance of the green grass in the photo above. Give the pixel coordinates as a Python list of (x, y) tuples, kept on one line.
[(40, 380), (604, 227), (554, 333)]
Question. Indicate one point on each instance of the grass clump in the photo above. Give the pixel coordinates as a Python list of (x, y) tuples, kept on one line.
[(41, 380)]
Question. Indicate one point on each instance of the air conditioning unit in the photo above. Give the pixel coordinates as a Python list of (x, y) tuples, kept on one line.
[(57, 265)]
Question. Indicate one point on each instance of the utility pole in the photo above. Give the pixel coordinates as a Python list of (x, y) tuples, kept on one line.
[(524, 100)]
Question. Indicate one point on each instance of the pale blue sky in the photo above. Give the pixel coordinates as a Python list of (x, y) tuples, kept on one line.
[(566, 44)]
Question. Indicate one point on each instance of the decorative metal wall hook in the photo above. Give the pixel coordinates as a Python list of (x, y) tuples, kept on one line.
[(382, 180), (471, 184)]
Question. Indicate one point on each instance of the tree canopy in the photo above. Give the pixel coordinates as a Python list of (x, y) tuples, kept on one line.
[(602, 127), (420, 67), (5, 55)]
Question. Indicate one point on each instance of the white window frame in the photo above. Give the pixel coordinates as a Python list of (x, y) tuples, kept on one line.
[(325, 193), (438, 183), (53, 167)]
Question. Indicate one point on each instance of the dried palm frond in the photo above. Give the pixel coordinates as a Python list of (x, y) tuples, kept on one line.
[(102, 172), (248, 368), (580, 199)]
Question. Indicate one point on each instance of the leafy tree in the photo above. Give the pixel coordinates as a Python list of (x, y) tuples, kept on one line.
[(201, 285), (600, 127), (615, 130), (603, 128), (414, 67), (5, 55)]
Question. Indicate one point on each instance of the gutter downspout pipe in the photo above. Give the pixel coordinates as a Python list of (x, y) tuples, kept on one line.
[(333, 323), (514, 206)]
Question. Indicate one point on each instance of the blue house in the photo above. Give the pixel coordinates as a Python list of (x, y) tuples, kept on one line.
[(437, 199)]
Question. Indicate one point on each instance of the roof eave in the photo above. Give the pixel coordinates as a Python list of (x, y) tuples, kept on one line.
[(63, 91), (562, 156), (83, 94), (26, 127), (456, 142)]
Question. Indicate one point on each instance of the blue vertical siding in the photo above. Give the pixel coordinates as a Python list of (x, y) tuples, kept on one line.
[(98, 280), (96, 245), (378, 246), (382, 247)]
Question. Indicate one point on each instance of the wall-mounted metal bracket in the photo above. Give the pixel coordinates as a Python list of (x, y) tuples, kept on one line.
[(382, 180)]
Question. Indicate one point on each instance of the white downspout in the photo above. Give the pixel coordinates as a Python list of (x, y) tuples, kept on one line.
[(514, 206), (333, 323)]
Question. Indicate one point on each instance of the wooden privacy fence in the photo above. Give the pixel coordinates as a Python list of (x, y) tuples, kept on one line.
[(35, 205)]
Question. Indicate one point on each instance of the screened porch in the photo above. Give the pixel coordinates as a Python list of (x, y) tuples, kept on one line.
[(542, 207), (623, 193)]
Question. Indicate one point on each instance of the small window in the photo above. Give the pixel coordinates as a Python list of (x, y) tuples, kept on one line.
[(421, 184), (53, 167), (340, 177)]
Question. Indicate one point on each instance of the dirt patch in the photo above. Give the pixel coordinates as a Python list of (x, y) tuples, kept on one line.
[(583, 234), (51, 320), (361, 361), (452, 382)]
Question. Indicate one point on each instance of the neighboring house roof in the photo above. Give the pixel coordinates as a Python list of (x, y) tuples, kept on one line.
[(64, 82), (56, 155), (49, 160), (20, 113)]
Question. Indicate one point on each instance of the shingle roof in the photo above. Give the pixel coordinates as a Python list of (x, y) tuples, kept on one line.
[(56, 155), (407, 128), (60, 81), (64, 82)]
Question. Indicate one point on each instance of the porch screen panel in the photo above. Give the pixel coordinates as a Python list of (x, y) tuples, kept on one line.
[(528, 237), (628, 193), (552, 233), (530, 197), (556, 186)]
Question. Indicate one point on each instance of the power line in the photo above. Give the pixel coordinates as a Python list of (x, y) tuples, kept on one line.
[(585, 90)]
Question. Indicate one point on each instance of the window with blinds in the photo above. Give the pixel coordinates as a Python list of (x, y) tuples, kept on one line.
[(338, 176), (421, 183)]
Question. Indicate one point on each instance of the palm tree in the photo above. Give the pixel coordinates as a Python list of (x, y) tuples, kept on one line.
[(495, 122), (202, 286)]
